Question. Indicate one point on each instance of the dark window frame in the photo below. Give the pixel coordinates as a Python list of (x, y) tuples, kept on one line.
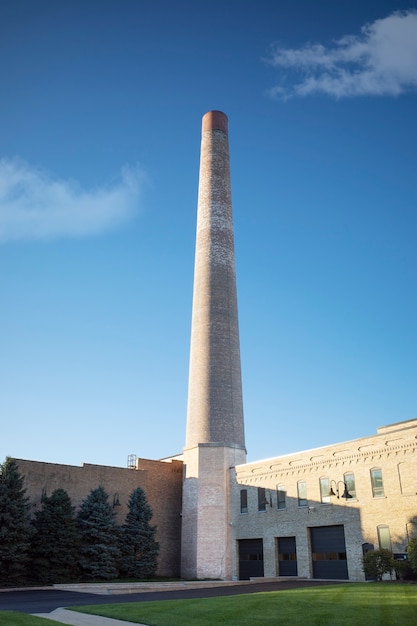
[(262, 501), (281, 497), (244, 501)]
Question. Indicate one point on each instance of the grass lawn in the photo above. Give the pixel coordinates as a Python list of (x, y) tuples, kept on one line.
[(12, 618), (353, 604)]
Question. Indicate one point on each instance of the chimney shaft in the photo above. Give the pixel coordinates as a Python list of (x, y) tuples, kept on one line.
[(215, 437), (215, 410)]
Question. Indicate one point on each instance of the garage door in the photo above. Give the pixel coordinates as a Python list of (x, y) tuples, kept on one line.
[(251, 558), (287, 556), (329, 552)]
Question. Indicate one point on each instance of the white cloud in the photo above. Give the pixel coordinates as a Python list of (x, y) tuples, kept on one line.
[(382, 60), (35, 205)]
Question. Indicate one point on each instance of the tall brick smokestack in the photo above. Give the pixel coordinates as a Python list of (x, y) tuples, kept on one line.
[(215, 440), (215, 411)]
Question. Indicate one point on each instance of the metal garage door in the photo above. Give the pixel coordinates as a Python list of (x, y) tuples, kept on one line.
[(287, 556), (251, 558), (329, 552)]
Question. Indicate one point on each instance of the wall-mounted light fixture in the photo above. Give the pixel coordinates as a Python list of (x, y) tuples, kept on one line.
[(116, 501), (336, 491)]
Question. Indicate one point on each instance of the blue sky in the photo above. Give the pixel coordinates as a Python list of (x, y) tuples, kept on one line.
[(100, 121)]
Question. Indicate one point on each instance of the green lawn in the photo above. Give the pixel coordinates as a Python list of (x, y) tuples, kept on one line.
[(354, 604), (12, 618)]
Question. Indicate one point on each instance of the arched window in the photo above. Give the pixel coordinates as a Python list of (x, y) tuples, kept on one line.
[(302, 493), (349, 479), (262, 501), (376, 482), (384, 537), (281, 497), (325, 490), (407, 477)]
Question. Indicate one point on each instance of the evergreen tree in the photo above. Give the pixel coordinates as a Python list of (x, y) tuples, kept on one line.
[(14, 524), (55, 543), (139, 550), (99, 551)]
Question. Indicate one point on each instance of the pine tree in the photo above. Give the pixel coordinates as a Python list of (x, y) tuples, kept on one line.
[(139, 550), (99, 551), (55, 542), (14, 524)]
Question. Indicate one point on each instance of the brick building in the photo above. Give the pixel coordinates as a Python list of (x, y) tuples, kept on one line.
[(160, 480), (287, 516), (313, 513)]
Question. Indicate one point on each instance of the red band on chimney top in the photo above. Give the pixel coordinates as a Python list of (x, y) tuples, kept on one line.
[(215, 120)]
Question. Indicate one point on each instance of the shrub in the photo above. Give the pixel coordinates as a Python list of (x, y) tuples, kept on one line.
[(377, 563), (412, 554), (402, 568)]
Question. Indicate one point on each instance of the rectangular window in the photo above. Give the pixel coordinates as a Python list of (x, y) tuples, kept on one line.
[(384, 537), (325, 490), (243, 500), (302, 493), (377, 484), (281, 497), (350, 484), (261, 499)]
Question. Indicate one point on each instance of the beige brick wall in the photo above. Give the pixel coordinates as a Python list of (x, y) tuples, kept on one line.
[(215, 408), (393, 450), (207, 528)]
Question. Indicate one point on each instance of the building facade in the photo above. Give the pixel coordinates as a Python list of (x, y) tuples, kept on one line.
[(316, 513), (311, 514)]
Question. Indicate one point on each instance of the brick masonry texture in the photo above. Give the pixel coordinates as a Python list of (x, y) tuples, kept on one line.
[(215, 409), (215, 434), (393, 450), (161, 482)]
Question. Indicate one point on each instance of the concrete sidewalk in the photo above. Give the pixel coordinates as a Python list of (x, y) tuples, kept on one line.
[(106, 589), (81, 619)]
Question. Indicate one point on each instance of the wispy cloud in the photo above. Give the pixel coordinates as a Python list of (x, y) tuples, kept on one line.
[(381, 61), (35, 205)]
